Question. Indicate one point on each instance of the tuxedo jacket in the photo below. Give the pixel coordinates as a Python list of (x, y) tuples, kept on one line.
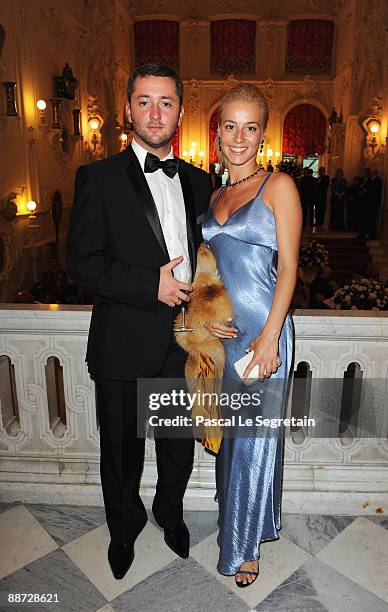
[(115, 249)]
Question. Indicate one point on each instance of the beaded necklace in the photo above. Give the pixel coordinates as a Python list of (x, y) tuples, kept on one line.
[(228, 184)]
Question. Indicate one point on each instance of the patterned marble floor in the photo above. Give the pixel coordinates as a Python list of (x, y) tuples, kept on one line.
[(320, 563)]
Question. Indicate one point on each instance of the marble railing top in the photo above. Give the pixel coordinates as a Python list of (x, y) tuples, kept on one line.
[(47, 307), (50, 319), (298, 312)]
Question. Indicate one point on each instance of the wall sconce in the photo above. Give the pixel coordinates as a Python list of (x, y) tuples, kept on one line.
[(269, 153), (94, 139), (123, 141), (193, 152), (373, 126), (41, 105), (373, 149), (94, 125), (185, 155), (31, 205), (277, 155)]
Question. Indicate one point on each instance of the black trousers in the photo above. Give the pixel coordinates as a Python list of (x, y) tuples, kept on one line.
[(122, 457)]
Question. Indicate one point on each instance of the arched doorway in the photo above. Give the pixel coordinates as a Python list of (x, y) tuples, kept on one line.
[(304, 135)]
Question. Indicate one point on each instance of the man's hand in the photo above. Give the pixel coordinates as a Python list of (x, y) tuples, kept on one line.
[(171, 290)]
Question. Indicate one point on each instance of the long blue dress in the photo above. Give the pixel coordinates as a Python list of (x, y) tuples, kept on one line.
[(249, 469)]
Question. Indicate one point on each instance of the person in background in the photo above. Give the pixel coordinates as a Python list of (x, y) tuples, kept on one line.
[(353, 198), (307, 192), (372, 189), (322, 185), (338, 198)]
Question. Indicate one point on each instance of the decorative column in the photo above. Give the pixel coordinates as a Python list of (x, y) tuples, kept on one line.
[(270, 48), (194, 49)]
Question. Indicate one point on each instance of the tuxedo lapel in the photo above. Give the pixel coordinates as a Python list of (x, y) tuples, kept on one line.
[(188, 197), (146, 201)]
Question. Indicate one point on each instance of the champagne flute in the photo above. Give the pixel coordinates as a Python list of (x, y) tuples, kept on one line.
[(183, 273)]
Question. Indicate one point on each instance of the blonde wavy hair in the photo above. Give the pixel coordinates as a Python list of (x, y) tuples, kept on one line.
[(247, 93)]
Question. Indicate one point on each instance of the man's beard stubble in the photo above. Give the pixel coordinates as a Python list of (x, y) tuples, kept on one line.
[(164, 141)]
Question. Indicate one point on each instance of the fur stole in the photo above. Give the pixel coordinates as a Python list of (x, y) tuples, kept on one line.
[(209, 302)]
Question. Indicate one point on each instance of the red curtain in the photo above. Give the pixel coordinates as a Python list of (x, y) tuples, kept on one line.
[(175, 143), (309, 46), (233, 46), (213, 125), (157, 41), (304, 131)]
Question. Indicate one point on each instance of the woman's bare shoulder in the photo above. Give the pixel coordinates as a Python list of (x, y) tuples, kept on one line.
[(283, 192), (282, 180)]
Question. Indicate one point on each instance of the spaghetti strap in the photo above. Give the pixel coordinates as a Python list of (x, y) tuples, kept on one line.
[(217, 196), (263, 184)]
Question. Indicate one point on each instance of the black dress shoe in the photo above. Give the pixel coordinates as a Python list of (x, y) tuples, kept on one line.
[(120, 557), (178, 540)]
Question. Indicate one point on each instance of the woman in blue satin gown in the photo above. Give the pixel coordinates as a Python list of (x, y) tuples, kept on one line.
[(253, 227)]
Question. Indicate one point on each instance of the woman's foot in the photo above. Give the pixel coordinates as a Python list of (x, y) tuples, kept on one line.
[(249, 570)]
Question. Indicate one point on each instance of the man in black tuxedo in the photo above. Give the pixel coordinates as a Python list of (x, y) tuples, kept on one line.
[(135, 218)]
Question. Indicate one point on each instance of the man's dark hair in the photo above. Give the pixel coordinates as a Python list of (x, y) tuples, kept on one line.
[(157, 70)]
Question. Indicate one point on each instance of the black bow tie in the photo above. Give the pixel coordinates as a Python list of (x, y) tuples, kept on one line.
[(153, 163)]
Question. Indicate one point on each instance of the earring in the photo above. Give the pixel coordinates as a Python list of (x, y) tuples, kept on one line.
[(262, 146), (219, 142)]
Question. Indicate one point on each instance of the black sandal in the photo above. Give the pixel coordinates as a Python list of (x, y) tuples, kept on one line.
[(241, 585)]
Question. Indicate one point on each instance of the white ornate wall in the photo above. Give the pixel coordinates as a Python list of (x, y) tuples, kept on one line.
[(52, 464)]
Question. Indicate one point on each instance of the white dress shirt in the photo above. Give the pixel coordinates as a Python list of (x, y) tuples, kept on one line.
[(168, 197)]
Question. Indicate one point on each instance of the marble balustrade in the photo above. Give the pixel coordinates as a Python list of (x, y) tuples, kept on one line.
[(43, 459)]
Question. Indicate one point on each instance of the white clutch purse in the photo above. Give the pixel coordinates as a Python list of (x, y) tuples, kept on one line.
[(240, 366)]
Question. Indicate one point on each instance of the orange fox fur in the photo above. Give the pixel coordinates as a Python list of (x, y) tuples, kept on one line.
[(209, 302)]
